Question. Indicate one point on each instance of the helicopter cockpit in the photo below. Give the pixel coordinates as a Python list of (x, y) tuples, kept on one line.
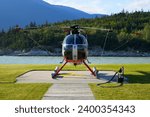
[(75, 47), (75, 39)]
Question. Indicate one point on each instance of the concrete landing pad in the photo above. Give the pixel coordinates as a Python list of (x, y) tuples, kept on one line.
[(64, 77), (69, 85)]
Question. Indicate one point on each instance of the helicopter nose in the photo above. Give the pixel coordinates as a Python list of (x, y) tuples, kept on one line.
[(75, 52)]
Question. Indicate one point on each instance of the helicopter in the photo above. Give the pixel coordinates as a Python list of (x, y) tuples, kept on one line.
[(75, 49)]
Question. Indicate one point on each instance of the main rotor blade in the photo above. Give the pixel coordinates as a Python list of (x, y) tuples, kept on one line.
[(93, 28)]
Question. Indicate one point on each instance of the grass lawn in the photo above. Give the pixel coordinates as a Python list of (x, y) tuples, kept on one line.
[(125, 92), (138, 87), (22, 91), (11, 91)]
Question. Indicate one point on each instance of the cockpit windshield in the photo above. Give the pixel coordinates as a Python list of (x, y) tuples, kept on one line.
[(75, 39)]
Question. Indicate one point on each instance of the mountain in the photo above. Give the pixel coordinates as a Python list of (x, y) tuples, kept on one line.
[(22, 12)]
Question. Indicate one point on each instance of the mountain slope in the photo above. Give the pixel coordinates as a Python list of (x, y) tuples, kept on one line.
[(22, 12)]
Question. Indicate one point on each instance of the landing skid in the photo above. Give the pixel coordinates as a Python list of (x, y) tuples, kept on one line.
[(57, 70), (94, 72)]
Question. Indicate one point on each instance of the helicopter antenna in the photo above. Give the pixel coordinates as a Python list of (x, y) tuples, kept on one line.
[(120, 46), (17, 28), (104, 45), (39, 45)]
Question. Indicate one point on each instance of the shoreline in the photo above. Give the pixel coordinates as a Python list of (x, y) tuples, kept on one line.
[(62, 56), (91, 53)]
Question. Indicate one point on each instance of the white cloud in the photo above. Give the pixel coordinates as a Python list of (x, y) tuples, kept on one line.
[(104, 6), (138, 5), (90, 6)]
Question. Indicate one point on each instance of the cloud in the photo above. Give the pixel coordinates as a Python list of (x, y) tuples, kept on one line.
[(90, 6), (138, 5), (104, 6)]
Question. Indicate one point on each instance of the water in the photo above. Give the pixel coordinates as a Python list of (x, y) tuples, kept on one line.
[(57, 60)]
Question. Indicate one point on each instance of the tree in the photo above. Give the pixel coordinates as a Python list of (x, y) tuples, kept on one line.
[(32, 24), (146, 33)]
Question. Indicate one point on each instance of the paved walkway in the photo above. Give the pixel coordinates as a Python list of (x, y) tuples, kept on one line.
[(70, 85), (69, 92)]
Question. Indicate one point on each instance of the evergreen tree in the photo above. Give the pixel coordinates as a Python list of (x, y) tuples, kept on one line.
[(147, 32)]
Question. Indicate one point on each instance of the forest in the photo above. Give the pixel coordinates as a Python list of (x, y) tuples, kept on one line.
[(130, 32)]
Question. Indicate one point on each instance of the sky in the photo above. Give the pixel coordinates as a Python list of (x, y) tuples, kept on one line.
[(104, 6)]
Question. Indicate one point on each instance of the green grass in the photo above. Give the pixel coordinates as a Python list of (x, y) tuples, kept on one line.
[(8, 73), (11, 91), (22, 91), (138, 87), (125, 92), (137, 73)]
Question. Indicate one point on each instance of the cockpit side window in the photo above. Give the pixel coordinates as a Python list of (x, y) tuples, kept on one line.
[(80, 39), (69, 39)]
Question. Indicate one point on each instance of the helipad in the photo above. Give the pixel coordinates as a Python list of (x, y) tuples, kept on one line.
[(69, 85), (64, 77)]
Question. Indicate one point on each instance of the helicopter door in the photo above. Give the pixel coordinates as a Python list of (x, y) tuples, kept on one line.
[(75, 52)]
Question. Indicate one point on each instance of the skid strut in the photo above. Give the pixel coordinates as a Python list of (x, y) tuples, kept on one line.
[(57, 70), (93, 73)]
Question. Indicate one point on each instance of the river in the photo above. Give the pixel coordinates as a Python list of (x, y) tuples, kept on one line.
[(57, 60)]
